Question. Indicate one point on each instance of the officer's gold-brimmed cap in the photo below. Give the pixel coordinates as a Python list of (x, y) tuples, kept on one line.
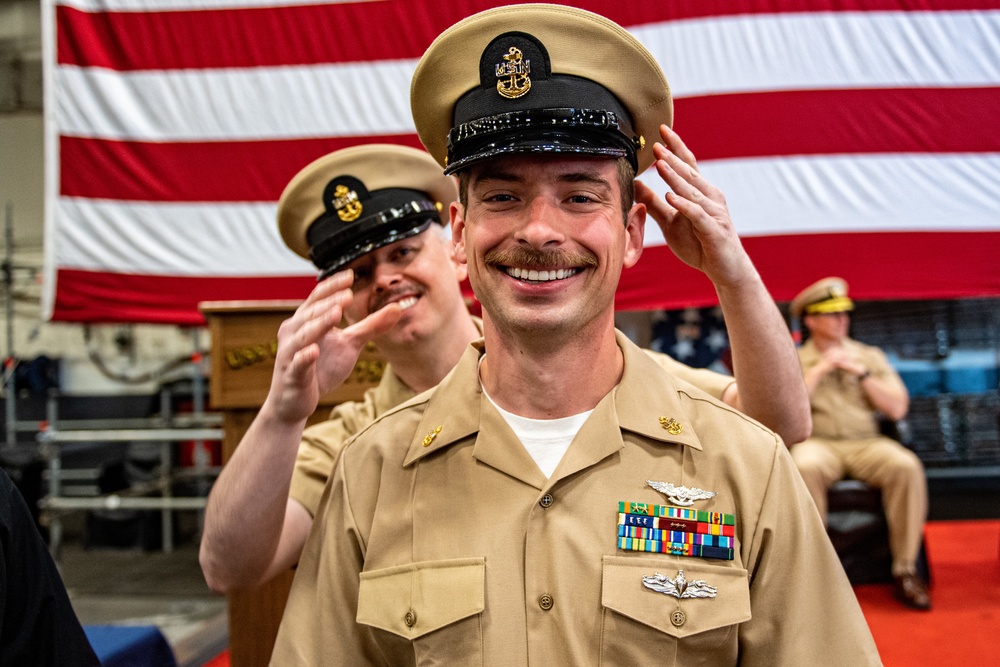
[(355, 200), (828, 295), (535, 79)]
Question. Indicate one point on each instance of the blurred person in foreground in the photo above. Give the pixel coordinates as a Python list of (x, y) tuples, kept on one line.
[(38, 627), (559, 498)]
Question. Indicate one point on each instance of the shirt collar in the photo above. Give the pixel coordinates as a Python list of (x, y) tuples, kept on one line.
[(647, 401)]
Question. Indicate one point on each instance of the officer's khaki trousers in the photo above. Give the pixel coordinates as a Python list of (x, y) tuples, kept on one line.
[(879, 462)]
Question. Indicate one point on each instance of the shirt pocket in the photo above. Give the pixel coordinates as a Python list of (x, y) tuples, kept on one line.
[(645, 626), (434, 606)]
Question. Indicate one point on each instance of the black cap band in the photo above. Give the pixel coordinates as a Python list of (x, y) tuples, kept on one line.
[(400, 213), (561, 130)]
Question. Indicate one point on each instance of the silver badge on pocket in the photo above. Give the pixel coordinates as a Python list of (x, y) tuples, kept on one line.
[(681, 495), (679, 587)]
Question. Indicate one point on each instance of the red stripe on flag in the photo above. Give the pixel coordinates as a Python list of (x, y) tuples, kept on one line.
[(91, 296), (939, 120), (813, 122), (877, 265), (353, 32), (194, 172)]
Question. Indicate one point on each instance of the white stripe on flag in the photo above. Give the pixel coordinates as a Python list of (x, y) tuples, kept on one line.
[(898, 193), (238, 104), (825, 51), (868, 193), (174, 239)]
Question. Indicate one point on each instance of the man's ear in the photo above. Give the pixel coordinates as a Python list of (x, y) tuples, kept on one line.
[(635, 229), (457, 213)]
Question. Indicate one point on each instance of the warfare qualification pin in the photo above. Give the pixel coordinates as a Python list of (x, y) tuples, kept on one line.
[(679, 587), (513, 74), (681, 495)]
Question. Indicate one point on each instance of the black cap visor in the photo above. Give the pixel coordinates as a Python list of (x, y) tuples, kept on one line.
[(539, 131), (334, 244)]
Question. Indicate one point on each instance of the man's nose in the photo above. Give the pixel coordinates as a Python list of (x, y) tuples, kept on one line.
[(386, 276), (541, 224)]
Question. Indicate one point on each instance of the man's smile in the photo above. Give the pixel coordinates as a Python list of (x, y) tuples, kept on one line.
[(541, 276)]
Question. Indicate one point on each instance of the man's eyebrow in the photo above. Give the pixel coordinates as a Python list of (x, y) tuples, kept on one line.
[(592, 177), (499, 175)]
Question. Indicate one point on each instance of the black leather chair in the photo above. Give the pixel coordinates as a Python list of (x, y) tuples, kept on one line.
[(857, 527)]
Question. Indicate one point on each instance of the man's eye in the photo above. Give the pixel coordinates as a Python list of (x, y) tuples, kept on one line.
[(501, 198), (404, 253), (581, 199)]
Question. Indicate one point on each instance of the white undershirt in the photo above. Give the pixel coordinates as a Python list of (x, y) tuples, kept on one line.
[(545, 439)]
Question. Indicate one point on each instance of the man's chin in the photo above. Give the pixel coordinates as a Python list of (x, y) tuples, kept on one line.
[(403, 335)]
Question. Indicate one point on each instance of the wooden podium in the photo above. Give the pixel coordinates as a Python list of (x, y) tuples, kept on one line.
[(244, 339)]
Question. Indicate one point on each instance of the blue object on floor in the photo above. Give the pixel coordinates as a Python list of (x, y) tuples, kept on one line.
[(130, 646)]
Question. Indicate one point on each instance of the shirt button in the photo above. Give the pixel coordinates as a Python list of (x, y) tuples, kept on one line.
[(545, 602), (410, 618), (546, 500), (677, 618)]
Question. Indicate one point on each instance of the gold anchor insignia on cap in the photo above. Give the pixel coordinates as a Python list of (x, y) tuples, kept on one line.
[(346, 204), (513, 74), (429, 438), (681, 495), (679, 586), (672, 426)]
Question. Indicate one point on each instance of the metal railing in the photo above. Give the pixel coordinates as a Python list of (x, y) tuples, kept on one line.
[(156, 494)]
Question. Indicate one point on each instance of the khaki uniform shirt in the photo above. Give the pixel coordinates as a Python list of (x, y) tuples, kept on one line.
[(322, 442), (840, 408), (440, 542)]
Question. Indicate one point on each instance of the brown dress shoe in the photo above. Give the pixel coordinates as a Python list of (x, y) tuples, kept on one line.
[(911, 591)]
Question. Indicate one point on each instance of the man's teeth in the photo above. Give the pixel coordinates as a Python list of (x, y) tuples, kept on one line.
[(407, 302), (540, 276)]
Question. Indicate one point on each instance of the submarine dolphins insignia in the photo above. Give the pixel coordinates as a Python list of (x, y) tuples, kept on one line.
[(681, 495)]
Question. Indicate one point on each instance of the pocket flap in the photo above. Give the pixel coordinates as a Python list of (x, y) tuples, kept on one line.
[(412, 600), (624, 593)]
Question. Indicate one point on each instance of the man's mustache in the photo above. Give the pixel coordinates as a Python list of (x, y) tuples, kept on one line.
[(539, 259)]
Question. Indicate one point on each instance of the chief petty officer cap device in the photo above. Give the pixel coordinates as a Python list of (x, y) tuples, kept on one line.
[(828, 295), (356, 200), (538, 79)]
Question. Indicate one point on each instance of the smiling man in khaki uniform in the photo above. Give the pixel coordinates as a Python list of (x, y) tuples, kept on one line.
[(559, 499), (850, 384), (386, 231)]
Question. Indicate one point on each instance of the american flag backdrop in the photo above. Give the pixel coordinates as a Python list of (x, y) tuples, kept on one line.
[(858, 138)]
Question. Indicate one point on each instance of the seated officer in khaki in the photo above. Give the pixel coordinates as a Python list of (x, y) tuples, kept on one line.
[(517, 513), (850, 384), (379, 231)]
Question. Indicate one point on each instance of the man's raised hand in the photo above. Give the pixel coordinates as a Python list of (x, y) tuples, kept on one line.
[(314, 353)]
